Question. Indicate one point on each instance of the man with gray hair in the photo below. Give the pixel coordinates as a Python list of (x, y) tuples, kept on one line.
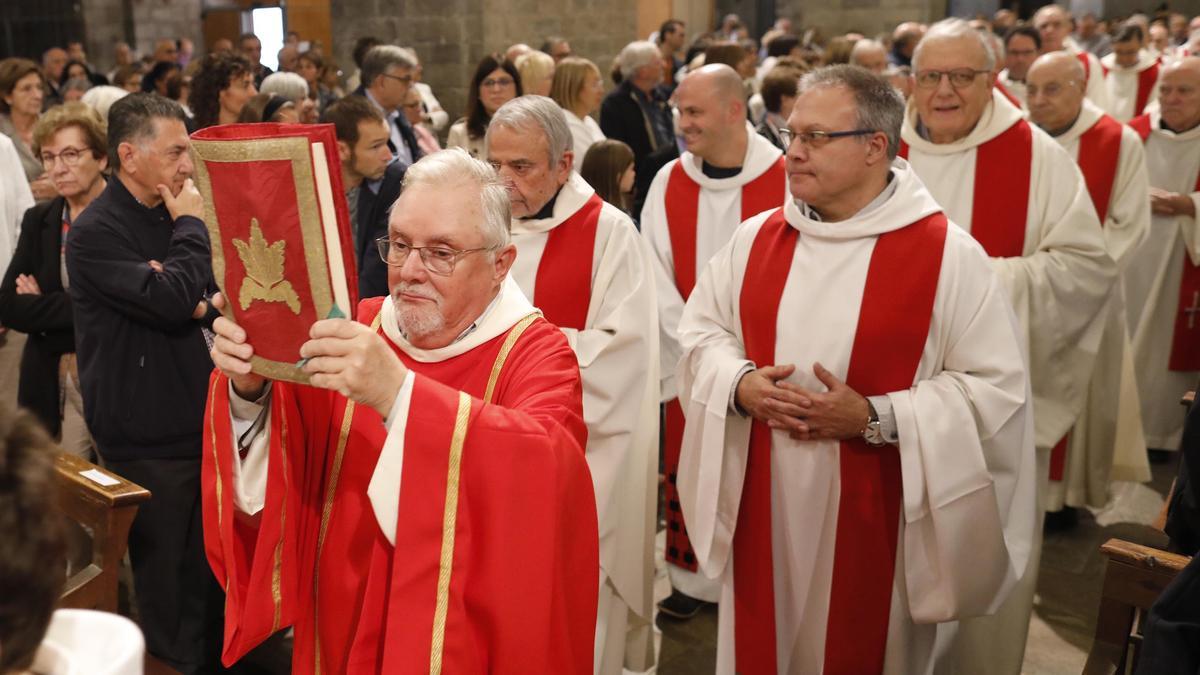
[(1055, 25), (428, 488), (858, 457), (581, 261), (387, 75), (727, 174), (1022, 197), (635, 112)]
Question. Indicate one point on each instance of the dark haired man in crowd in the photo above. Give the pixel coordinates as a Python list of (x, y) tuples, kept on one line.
[(139, 263)]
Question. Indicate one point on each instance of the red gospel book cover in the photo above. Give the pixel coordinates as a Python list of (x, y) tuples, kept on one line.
[(281, 246)]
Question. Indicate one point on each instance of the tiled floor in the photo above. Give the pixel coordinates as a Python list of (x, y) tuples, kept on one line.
[(1060, 632)]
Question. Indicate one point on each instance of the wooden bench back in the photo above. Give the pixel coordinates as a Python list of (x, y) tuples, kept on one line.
[(107, 512)]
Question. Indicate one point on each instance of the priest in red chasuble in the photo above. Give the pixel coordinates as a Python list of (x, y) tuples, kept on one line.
[(858, 464), (1022, 197), (425, 505)]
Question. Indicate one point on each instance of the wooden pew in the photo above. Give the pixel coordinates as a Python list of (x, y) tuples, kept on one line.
[(1134, 577), (107, 511)]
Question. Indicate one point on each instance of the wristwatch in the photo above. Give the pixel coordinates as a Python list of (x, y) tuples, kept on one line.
[(873, 432)]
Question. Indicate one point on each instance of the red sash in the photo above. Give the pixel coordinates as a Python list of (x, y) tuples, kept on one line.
[(563, 288), (1003, 167), (893, 325), (1146, 80), (1087, 67), (1185, 340), (767, 191), (1099, 155)]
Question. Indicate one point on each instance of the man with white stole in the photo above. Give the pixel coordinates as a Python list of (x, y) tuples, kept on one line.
[(1163, 282), (1132, 74), (581, 261), (727, 174), (858, 463), (1107, 442), (1023, 199), (1055, 25)]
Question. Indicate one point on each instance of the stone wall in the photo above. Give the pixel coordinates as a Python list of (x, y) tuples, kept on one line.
[(869, 17), (451, 36), (108, 21)]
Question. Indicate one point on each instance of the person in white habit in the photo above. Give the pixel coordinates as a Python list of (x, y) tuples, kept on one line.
[(581, 262), (15, 199), (727, 174), (1163, 282), (1132, 74), (1055, 25), (1107, 442), (1022, 197), (858, 464)]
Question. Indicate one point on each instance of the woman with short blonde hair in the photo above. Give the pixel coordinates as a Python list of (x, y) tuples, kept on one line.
[(578, 90), (537, 72)]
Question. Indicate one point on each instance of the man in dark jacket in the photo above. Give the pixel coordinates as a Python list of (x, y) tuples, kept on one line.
[(387, 75), (139, 263), (635, 111), (372, 182)]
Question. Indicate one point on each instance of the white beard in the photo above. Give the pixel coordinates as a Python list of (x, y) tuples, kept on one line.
[(419, 321)]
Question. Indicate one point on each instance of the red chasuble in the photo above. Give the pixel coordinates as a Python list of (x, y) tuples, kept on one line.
[(893, 325), (1000, 209), (767, 191), (1185, 342), (495, 557), (563, 287)]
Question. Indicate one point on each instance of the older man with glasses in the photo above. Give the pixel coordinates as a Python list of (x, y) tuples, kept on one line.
[(858, 417), (387, 75), (429, 490), (1022, 198)]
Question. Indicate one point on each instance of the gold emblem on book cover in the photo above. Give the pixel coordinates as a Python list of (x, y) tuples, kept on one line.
[(264, 271)]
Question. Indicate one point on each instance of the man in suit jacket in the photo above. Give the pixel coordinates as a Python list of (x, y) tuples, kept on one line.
[(372, 181), (387, 75)]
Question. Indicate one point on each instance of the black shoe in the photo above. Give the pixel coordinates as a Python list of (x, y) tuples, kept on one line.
[(680, 606), (1063, 520)]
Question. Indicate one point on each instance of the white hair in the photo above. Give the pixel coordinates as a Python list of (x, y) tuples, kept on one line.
[(288, 85), (635, 55), (953, 29), (539, 114), (865, 45), (454, 167), (102, 97)]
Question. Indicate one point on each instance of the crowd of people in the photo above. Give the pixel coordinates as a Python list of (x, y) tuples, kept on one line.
[(984, 234)]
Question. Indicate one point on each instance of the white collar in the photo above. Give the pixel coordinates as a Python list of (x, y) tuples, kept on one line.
[(888, 190), (760, 155), (997, 117), (571, 197), (1089, 114), (907, 202), (508, 307)]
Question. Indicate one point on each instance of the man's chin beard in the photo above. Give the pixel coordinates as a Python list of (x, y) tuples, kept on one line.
[(418, 322)]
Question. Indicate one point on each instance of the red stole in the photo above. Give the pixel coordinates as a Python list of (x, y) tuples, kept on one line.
[(1087, 67), (893, 325), (767, 191), (1099, 155), (1185, 343), (1146, 80), (1000, 209), (563, 287), (1007, 94)]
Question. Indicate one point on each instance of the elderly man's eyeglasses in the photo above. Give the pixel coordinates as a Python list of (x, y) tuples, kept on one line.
[(960, 78), (817, 139), (69, 156), (406, 79), (437, 259), (1051, 90)]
